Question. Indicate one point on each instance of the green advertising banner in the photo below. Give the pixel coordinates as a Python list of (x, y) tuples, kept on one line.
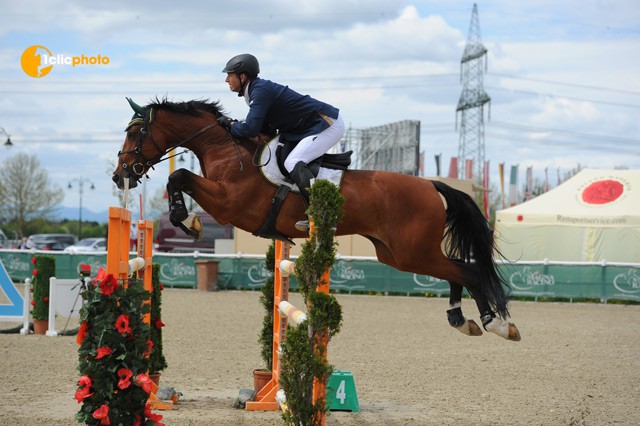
[(536, 280)]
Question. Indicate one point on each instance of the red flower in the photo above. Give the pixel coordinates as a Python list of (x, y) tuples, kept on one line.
[(147, 352), (84, 381), (108, 285), (144, 382), (161, 287), (158, 323), (125, 378), (46, 300), (34, 260), (33, 303), (103, 352), (82, 393), (85, 389), (35, 272), (82, 332), (122, 324), (100, 276), (102, 414), (153, 417)]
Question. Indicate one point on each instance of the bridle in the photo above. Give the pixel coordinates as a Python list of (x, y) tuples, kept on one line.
[(141, 161)]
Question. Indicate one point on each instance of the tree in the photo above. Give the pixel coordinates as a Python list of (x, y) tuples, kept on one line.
[(25, 191)]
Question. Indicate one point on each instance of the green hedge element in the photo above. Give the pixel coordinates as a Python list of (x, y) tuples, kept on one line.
[(266, 300), (44, 269), (303, 360), (157, 361)]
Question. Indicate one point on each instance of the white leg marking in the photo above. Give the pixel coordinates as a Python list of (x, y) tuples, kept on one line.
[(499, 327)]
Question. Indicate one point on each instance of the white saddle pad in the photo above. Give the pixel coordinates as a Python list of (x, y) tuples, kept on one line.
[(269, 167)]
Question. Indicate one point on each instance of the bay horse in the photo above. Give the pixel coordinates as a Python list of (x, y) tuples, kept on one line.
[(405, 217)]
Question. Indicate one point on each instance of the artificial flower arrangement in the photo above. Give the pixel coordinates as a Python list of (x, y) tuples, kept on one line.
[(113, 386)]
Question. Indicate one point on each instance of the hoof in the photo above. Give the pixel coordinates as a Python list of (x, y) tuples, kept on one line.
[(514, 333), (504, 329), (470, 328), (474, 329), (193, 226)]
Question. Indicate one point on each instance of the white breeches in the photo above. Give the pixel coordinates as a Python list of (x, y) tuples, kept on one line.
[(314, 146)]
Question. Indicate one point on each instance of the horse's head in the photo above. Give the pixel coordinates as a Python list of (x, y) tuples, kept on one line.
[(140, 151), (173, 124)]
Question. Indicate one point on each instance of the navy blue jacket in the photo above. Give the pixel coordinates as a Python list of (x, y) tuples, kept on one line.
[(273, 106)]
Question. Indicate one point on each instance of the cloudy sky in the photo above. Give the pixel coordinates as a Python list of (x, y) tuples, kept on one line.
[(564, 77)]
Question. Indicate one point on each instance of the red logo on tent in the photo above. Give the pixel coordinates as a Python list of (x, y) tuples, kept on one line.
[(602, 192)]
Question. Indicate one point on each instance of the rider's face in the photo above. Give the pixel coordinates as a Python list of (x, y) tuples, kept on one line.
[(234, 81)]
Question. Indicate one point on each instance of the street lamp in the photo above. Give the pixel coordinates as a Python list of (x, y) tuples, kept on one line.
[(8, 143), (80, 181)]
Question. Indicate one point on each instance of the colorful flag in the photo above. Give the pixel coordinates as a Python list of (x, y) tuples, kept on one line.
[(453, 168), (513, 186), (501, 172), (559, 180), (528, 190), (546, 179), (468, 169)]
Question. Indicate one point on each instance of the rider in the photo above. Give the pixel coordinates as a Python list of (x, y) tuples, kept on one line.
[(311, 125)]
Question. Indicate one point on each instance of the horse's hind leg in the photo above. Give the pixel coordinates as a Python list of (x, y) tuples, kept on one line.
[(495, 324), (490, 321), (454, 313)]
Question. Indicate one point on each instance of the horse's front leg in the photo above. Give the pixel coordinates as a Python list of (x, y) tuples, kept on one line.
[(454, 313), (178, 215)]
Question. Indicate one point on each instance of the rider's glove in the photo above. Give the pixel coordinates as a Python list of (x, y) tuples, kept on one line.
[(226, 122)]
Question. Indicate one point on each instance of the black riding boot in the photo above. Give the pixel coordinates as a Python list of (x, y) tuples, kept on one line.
[(302, 177)]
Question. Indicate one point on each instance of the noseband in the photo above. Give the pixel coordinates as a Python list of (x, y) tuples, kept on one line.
[(138, 167)]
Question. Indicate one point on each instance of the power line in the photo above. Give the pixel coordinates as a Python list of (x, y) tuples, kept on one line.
[(565, 144), (573, 98), (562, 83), (566, 132)]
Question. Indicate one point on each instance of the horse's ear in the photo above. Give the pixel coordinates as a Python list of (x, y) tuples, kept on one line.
[(135, 107)]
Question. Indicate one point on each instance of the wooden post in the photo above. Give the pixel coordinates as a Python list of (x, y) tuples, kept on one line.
[(266, 397)]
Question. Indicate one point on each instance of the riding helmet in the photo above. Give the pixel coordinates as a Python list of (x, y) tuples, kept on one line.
[(245, 63)]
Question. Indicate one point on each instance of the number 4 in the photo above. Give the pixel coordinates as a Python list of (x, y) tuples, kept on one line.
[(340, 394)]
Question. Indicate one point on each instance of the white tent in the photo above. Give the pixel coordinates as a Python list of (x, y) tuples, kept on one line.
[(593, 216)]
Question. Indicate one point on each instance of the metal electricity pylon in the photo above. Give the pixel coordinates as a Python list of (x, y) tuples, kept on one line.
[(472, 100)]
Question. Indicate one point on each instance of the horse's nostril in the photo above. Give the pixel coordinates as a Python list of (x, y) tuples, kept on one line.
[(115, 178)]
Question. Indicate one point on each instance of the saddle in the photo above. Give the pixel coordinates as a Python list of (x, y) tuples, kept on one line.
[(329, 166)]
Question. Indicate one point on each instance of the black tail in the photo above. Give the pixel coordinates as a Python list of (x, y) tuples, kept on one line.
[(469, 236)]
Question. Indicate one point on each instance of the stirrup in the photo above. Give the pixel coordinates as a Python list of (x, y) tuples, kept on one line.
[(302, 225)]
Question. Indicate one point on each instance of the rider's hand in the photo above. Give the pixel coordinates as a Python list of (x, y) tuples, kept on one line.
[(225, 122)]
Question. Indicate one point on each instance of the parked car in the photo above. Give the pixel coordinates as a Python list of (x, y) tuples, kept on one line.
[(88, 244), (172, 239), (50, 241)]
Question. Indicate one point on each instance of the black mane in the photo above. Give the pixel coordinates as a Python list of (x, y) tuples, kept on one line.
[(193, 107)]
